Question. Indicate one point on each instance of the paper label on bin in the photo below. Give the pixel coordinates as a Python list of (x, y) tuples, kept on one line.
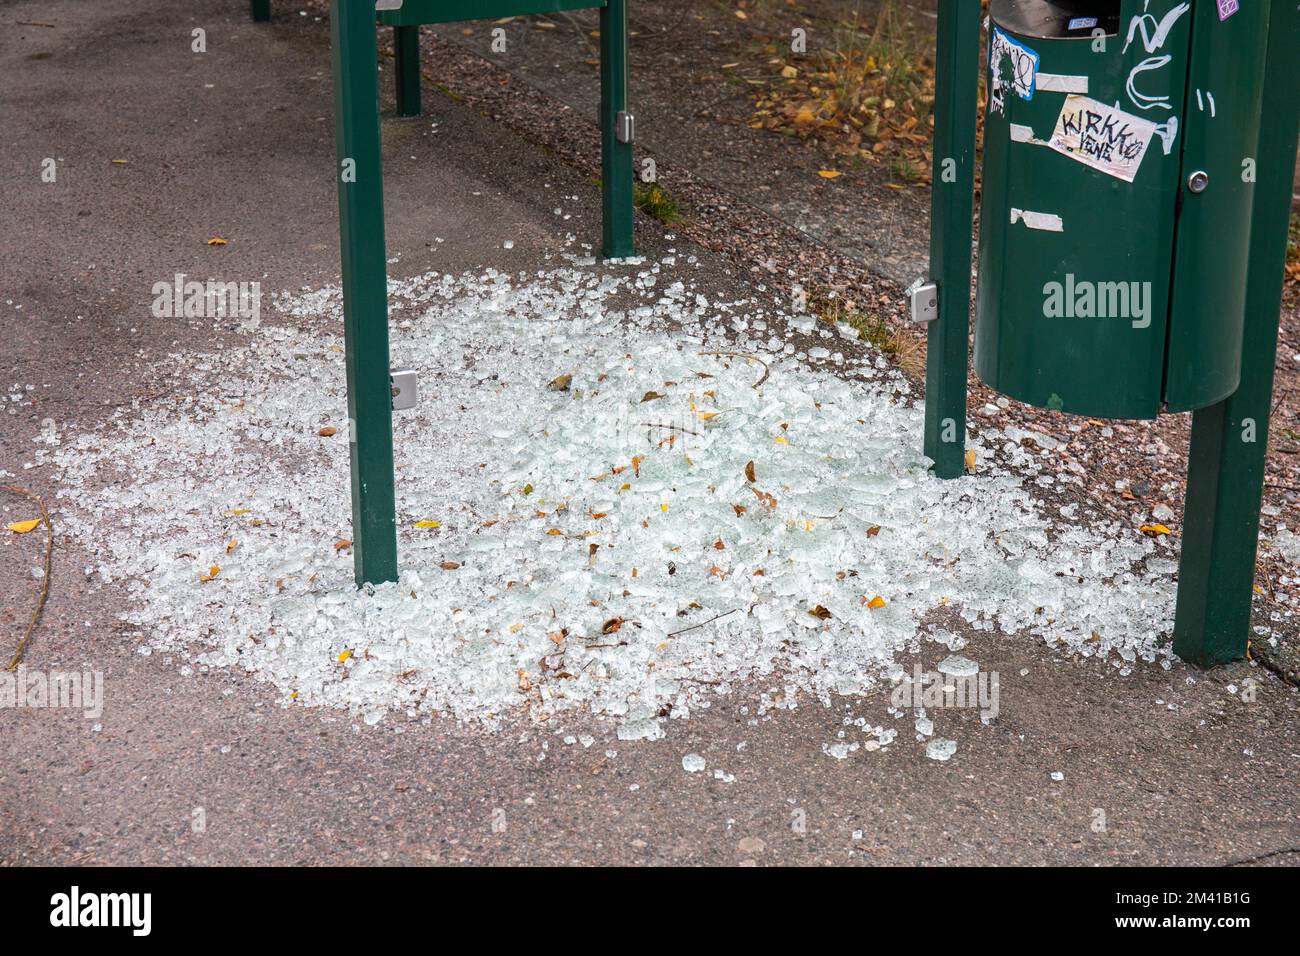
[(1103, 137), (1022, 72)]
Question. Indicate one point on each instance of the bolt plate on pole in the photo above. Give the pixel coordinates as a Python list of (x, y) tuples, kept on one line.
[(406, 390), (625, 127), (923, 295)]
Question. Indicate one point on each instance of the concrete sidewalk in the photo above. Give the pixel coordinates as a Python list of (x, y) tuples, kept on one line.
[(1158, 766)]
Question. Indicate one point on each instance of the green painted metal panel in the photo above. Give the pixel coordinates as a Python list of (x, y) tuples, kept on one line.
[(1216, 571), (616, 157), (1076, 241), (1220, 134), (355, 58), (448, 11), (957, 53), (406, 69)]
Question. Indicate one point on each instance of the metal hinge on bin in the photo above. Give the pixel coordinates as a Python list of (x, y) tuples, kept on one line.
[(923, 294), (405, 388)]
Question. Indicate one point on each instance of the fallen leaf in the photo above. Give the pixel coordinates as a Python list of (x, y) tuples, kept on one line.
[(342, 543), (216, 241), (555, 532), (1154, 529), (212, 573), (525, 684), (449, 565), (789, 72), (613, 625), (561, 383), (428, 524), (829, 173), (22, 527), (232, 546), (344, 656), (749, 472), (719, 546), (740, 510), (970, 459), (821, 613), (873, 531), (329, 431), (238, 511), (651, 396), (876, 602)]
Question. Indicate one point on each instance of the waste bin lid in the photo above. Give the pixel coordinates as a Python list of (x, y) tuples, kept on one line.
[(1057, 19)]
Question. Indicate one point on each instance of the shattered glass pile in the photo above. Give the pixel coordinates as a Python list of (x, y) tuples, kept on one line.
[(630, 541)]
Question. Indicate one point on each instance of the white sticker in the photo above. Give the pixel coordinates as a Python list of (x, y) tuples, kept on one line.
[(1062, 83), (1046, 221), (1083, 23), (1103, 137)]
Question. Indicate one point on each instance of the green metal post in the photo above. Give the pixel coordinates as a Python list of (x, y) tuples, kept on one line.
[(406, 66), (1229, 445), (957, 56), (261, 10), (355, 56), (616, 156)]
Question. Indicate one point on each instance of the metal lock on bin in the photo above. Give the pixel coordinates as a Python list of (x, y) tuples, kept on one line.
[(1118, 179)]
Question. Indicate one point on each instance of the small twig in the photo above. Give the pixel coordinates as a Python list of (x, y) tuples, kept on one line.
[(702, 623), (672, 428), (33, 23), (45, 584), (745, 355)]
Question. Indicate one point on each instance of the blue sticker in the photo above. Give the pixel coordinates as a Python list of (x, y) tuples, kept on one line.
[(1083, 23), (1024, 69)]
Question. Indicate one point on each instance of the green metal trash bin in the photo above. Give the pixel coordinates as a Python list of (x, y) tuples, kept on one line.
[(1118, 179)]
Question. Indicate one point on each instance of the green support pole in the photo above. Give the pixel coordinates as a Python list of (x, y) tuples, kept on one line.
[(355, 55), (406, 67), (616, 157), (957, 57), (1225, 483), (261, 10)]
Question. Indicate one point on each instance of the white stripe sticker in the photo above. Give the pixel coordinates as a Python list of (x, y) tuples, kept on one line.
[(1047, 221), (1023, 134), (1061, 83)]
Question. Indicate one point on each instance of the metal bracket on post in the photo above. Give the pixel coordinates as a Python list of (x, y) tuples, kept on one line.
[(923, 297), (625, 127), (406, 389)]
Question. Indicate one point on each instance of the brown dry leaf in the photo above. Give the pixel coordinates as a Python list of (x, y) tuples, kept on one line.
[(749, 473), (873, 531), (342, 543), (765, 498), (449, 565), (636, 465), (821, 613), (613, 625), (740, 510), (525, 684), (555, 532), (561, 383), (232, 546), (329, 431), (556, 638), (719, 546)]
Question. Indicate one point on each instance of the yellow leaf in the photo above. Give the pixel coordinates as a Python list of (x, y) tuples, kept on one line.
[(238, 511), (344, 656), (516, 628), (970, 459), (804, 117), (555, 532), (234, 543), (709, 416), (1154, 529), (876, 602), (741, 15), (781, 440), (216, 241), (428, 524), (663, 507), (22, 527), (212, 573), (120, 162), (829, 173), (789, 72)]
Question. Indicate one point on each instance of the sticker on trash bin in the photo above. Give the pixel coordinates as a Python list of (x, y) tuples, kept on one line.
[(1023, 70), (1103, 137), (1227, 8)]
